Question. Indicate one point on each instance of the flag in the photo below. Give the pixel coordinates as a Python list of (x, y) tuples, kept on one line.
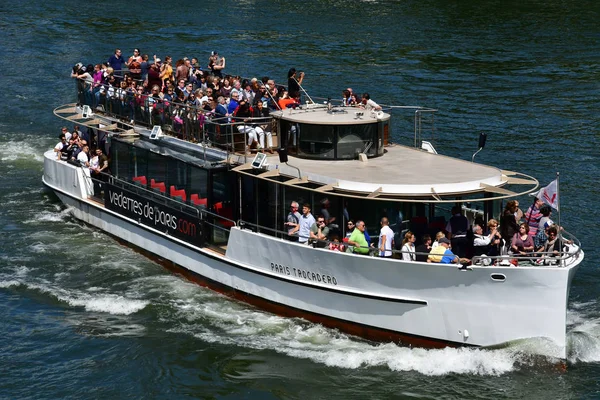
[(549, 194)]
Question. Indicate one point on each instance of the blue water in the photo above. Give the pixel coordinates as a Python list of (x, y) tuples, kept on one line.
[(84, 317)]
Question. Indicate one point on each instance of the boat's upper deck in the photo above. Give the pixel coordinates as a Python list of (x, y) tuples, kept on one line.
[(400, 171)]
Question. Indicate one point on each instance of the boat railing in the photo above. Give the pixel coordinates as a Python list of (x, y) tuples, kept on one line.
[(199, 212), (187, 122), (547, 258), (198, 125), (423, 119), (560, 259)]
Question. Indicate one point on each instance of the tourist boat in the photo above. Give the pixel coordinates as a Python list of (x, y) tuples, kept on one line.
[(197, 202)]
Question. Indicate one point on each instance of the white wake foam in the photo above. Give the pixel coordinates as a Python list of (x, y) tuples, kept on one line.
[(20, 150), (110, 303)]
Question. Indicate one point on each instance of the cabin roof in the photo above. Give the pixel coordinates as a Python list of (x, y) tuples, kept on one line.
[(401, 172), (337, 116)]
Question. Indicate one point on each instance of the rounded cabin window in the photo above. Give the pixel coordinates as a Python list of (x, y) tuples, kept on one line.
[(332, 136)]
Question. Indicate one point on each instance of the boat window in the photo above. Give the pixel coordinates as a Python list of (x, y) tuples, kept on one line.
[(317, 141), (248, 199), (157, 167), (177, 175), (138, 162), (198, 182), (354, 139), (267, 206), (121, 160)]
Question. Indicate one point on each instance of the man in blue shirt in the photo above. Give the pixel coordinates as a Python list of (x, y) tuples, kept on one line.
[(116, 61), (306, 221)]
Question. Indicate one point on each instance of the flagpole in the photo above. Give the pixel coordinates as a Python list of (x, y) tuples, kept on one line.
[(558, 197), (559, 234)]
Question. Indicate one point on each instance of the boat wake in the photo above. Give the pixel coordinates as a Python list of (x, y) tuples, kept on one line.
[(109, 290)]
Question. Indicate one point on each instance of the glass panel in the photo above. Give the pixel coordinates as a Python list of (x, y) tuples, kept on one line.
[(138, 161), (157, 167), (177, 174), (316, 141), (198, 187), (354, 139), (267, 207), (121, 160), (223, 185)]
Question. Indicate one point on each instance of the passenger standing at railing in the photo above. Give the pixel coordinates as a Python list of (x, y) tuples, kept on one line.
[(83, 157), (408, 246), (293, 222), (61, 147), (134, 64), (294, 82), (166, 71), (306, 221), (216, 64), (533, 216), (369, 104), (116, 62), (457, 228), (144, 67), (357, 240), (85, 82), (154, 78), (386, 239), (182, 70), (345, 98)]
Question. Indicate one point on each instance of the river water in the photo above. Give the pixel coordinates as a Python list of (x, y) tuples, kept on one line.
[(84, 317)]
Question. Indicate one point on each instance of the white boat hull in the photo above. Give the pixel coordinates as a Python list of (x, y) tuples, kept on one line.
[(416, 303)]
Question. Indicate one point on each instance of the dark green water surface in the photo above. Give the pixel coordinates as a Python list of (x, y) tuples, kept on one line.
[(83, 317)]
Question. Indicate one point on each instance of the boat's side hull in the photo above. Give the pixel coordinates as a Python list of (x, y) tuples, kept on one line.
[(422, 304)]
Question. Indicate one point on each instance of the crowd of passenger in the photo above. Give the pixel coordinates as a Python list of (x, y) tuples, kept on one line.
[(532, 237), (184, 93), (74, 148)]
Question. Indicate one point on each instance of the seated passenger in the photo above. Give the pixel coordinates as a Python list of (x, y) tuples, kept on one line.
[(61, 147), (286, 101), (422, 250), (319, 232), (358, 240), (522, 242), (442, 253), (553, 247), (335, 244), (481, 242), (438, 236), (349, 228), (494, 247)]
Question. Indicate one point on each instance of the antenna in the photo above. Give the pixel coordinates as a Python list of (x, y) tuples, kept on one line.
[(482, 139)]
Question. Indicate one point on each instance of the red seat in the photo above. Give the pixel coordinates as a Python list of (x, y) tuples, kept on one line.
[(197, 200), (225, 212), (178, 193), (160, 186), (141, 179)]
